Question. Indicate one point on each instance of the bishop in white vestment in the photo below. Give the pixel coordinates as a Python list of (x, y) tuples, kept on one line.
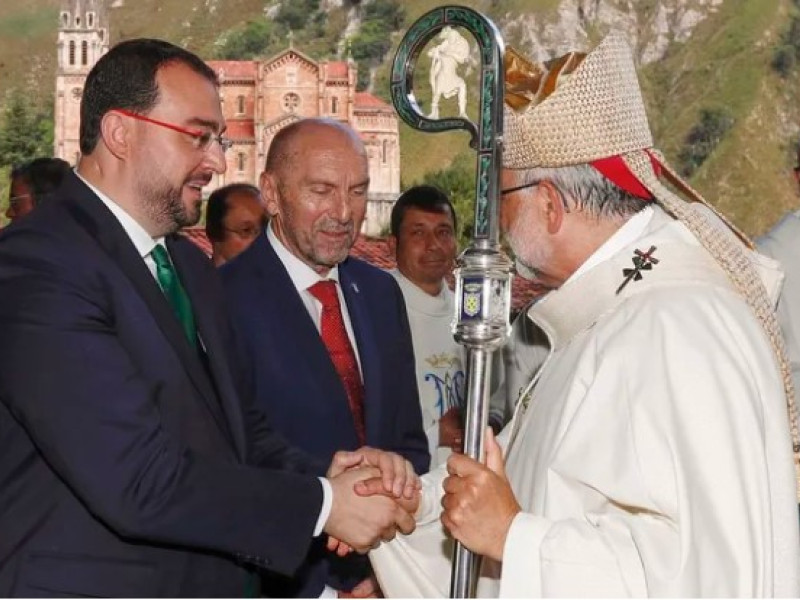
[(653, 454)]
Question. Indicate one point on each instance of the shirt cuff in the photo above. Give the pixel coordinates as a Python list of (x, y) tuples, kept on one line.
[(329, 592), (327, 504)]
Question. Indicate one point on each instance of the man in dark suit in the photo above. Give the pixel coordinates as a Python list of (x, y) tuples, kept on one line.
[(130, 464), (336, 369)]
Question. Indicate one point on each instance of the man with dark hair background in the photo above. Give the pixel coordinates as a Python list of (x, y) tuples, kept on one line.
[(234, 217), (33, 182), (423, 225), (424, 241)]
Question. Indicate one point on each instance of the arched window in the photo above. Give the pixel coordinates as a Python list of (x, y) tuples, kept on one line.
[(90, 19), (77, 21), (65, 19), (385, 152), (334, 105), (240, 105), (84, 53), (72, 52), (240, 161)]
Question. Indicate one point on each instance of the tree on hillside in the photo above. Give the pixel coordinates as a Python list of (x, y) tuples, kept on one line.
[(379, 20), (703, 139), (26, 132), (787, 53), (248, 42), (295, 14), (458, 182)]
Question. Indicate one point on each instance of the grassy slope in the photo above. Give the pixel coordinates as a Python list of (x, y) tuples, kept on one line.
[(726, 64)]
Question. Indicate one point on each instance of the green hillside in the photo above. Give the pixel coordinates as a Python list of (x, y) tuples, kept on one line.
[(724, 68)]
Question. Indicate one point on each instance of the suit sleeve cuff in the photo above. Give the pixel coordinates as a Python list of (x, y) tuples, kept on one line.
[(327, 504)]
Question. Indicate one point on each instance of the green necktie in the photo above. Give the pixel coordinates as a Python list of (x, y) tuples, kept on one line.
[(173, 290)]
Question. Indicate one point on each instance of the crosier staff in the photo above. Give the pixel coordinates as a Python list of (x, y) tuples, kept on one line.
[(483, 273)]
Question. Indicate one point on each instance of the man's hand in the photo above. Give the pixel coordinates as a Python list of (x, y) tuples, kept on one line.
[(372, 487), (397, 474), (479, 504), (361, 522), (451, 431)]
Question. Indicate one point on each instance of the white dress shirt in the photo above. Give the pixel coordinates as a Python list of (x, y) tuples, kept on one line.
[(303, 277)]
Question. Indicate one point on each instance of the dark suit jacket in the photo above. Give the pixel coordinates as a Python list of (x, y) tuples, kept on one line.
[(123, 458), (294, 381)]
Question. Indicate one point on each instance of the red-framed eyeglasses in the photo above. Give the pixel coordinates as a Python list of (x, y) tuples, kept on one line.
[(202, 139)]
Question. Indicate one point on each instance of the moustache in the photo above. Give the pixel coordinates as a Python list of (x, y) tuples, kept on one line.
[(337, 228)]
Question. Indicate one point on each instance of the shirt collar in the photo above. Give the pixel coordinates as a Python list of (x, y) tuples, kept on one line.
[(622, 237), (142, 240), (302, 275)]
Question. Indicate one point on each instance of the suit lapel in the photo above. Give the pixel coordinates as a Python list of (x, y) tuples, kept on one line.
[(368, 350), (100, 223), (214, 345), (277, 288)]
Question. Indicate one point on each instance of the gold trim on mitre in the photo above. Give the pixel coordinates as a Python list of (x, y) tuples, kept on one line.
[(595, 112), (529, 83)]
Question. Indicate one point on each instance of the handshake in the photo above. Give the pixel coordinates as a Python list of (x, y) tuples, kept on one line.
[(375, 494)]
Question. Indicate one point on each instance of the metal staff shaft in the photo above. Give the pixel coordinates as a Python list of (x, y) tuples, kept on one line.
[(483, 274), (463, 578)]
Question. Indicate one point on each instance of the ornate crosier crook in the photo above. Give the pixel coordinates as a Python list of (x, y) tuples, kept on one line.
[(483, 273)]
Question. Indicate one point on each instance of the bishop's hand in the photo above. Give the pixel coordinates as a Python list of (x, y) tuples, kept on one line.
[(478, 502)]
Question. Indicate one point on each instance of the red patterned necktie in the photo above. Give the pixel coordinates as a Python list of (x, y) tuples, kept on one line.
[(334, 336)]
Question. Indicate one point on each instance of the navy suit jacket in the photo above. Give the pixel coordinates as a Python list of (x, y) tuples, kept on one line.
[(129, 465), (294, 381)]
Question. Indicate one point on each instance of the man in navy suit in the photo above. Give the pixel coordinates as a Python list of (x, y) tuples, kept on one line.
[(323, 393), (130, 463)]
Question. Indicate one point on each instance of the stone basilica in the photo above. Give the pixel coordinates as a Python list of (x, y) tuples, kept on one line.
[(259, 97)]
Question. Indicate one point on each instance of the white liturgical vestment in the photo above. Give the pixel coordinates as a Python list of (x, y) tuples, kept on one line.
[(652, 457)]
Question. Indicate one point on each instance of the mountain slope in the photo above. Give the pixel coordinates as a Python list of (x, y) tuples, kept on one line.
[(695, 54)]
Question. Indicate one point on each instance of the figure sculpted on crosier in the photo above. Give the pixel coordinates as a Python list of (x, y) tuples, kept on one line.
[(446, 57)]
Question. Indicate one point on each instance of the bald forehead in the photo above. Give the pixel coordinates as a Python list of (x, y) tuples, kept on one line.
[(311, 134), (315, 133)]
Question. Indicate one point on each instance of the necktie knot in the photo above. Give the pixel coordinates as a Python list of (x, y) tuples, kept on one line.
[(325, 292), (161, 257)]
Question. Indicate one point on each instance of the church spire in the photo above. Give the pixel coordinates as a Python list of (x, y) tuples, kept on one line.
[(82, 35)]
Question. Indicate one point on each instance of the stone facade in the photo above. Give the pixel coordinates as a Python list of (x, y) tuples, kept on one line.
[(82, 40), (259, 97)]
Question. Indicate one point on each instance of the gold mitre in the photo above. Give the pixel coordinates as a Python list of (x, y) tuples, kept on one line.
[(575, 109)]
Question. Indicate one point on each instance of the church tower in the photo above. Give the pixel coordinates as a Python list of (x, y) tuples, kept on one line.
[(82, 40)]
